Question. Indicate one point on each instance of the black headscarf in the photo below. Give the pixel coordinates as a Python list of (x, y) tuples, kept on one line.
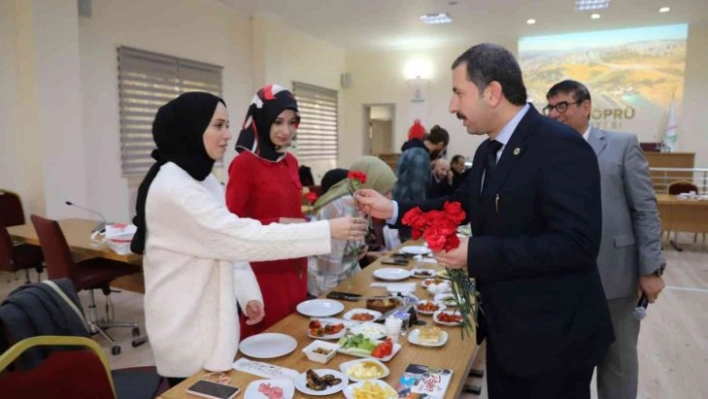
[(178, 132), (332, 177), (266, 105)]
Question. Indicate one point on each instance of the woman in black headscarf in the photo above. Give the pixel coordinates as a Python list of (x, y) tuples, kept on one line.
[(264, 184), (196, 252)]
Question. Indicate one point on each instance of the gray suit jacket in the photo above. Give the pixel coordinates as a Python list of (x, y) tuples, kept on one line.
[(631, 231)]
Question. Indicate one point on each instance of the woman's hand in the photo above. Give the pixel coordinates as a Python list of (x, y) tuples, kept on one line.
[(254, 312), (347, 228)]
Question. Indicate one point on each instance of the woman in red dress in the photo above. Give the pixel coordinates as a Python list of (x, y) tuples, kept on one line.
[(264, 184)]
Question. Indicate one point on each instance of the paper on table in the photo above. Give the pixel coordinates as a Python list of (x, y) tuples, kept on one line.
[(396, 287), (265, 370)]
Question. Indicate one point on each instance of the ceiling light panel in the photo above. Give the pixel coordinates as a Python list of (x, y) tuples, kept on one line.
[(582, 5), (435, 19)]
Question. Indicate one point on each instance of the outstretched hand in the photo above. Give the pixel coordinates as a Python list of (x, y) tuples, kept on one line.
[(372, 203)]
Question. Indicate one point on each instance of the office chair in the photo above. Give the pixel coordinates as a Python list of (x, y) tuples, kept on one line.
[(89, 274)]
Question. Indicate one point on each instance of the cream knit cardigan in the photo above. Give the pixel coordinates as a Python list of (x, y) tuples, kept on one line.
[(196, 268)]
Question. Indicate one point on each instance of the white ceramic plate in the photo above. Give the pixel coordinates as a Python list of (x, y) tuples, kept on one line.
[(286, 385), (349, 391), (352, 312), (391, 274), (415, 250), (267, 345), (347, 365), (338, 335), (444, 323), (446, 299), (370, 330), (320, 307), (396, 348), (301, 383), (434, 280), (439, 305), (423, 273), (414, 338)]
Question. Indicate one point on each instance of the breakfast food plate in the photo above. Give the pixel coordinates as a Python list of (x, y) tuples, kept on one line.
[(354, 351), (364, 369), (319, 307), (430, 281), (332, 384), (391, 274), (428, 336), (264, 389), (428, 307), (324, 330), (362, 315), (422, 273), (448, 318), (370, 330), (267, 345), (415, 250), (446, 299), (370, 389)]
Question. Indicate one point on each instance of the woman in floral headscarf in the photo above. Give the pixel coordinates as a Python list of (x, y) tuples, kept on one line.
[(264, 184), (327, 271)]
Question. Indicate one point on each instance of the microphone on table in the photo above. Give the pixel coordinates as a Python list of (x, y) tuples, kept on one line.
[(101, 226), (641, 310)]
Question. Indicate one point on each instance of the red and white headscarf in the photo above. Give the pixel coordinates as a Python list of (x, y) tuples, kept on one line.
[(265, 107)]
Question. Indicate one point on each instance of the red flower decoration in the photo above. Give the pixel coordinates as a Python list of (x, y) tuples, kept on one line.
[(311, 197), (356, 175), (438, 228)]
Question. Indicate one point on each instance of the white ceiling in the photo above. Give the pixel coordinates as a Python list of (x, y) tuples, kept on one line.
[(395, 24)]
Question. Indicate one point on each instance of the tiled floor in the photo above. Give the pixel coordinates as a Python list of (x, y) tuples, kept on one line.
[(673, 344)]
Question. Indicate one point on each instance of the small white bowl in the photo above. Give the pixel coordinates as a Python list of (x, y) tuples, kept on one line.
[(309, 350)]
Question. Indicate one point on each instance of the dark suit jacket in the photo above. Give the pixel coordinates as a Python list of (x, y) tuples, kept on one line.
[(536, 235)]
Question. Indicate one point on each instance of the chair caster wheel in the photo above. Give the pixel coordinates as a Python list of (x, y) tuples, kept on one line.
[(115, 350), (138, 342), (136, 331)]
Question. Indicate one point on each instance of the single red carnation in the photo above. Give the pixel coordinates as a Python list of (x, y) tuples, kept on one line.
[(357, 175)]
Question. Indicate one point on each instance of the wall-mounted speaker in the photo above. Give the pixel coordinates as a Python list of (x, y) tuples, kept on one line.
[(85, 8), (345, 80)]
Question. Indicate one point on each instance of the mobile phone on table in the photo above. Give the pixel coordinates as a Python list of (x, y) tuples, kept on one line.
[(394, 261), (343, 296), (213, 390)]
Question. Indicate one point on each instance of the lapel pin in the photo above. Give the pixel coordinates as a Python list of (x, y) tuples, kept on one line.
[(517, 151)]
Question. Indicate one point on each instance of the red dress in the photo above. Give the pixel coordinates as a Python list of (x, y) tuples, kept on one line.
[(267, 191)]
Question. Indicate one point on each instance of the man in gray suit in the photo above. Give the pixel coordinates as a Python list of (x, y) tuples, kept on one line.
[(630, 258)]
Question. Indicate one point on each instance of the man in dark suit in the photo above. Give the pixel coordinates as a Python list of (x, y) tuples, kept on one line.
[(533, 202)]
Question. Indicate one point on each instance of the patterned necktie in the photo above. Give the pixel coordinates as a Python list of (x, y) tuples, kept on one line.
[(491, 164)]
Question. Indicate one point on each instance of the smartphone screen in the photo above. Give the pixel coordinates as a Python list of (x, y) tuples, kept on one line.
[(212, 390)]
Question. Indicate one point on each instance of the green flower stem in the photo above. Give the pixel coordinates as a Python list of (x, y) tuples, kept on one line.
[(466, 298)]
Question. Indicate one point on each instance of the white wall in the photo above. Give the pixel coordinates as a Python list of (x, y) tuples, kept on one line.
[(283, 55), (194, 29), (692, 123)]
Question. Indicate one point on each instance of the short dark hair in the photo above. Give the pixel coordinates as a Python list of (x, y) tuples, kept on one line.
[(456, 158), (576, 89), (489, 62), (437, 135)]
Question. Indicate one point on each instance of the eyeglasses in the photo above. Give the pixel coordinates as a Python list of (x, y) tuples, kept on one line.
[(560, 107)]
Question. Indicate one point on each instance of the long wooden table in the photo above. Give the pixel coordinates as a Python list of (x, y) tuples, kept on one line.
[(687, 215), (457, 354), (78, 236)]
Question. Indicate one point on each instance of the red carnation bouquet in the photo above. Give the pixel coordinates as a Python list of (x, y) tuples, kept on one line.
[(439, 230)]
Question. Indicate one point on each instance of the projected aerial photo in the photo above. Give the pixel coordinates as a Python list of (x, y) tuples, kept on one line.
[(627, 71)]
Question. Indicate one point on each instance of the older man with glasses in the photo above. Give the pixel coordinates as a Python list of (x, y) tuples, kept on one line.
[(630, 258)]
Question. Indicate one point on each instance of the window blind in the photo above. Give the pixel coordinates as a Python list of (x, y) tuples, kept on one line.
[(146, 81), (317, 134)]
